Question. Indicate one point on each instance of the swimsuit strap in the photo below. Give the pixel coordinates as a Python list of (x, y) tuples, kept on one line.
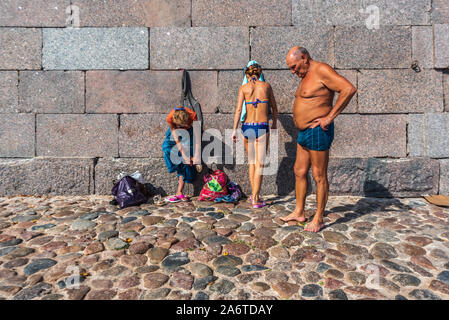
[(255, 123), (255, 103)]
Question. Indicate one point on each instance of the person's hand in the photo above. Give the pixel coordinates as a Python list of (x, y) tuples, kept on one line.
[(322, 122), (234, 136), (196, 160)]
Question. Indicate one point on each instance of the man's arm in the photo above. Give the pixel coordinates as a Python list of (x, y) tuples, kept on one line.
[(335, 82)]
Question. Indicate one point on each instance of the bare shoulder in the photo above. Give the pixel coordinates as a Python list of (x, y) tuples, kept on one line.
[(324, 69), (264, 85), (267, 84)]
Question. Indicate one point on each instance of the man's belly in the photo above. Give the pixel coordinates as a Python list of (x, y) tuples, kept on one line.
[(305, 113)]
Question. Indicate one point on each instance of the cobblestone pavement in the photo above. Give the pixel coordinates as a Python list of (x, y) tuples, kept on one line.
[(370, 249)]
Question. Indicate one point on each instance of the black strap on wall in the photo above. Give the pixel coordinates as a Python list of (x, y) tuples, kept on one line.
[(187, 99)]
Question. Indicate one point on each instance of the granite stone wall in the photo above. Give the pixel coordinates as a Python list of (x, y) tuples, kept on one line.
[(85, 86)]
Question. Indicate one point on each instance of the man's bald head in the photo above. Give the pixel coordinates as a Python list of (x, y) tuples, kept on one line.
[(298, 60), (298, 52)]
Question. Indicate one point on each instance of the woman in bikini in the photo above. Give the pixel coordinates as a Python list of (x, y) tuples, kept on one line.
[(255, 97)]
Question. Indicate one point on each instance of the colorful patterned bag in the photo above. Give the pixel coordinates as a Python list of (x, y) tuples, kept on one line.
[(215, 186)]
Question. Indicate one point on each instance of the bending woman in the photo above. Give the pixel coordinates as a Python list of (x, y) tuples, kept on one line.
[(255, 97), (187, 149)]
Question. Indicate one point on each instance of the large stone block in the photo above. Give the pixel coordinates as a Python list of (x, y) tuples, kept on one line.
[(401, 178), (370, 136), (131, 91), (141, 135), (444, 176), (73, 135), (359, 47), (136, 13), (205, 89), (270, 45), (427, 135), (33, 13), (345, 176), (416, 146), (440, 11), (400, 91), (422, 46), (199, 48), (51, 91), (9, 81), (229, 83), (437, 125), (20, 48), (382, 177), (146, 91), (95, 48), (441, 45), (241, 13), (359, 12), (46, 176), (17, 135)]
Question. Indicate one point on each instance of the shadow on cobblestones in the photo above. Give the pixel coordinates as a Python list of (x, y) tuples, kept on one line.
[(369, 204)]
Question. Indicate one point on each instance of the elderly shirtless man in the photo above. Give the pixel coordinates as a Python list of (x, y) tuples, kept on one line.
[(313, 116)]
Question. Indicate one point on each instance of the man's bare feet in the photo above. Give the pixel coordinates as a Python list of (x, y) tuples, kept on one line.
[(294, 216), (314, 226)]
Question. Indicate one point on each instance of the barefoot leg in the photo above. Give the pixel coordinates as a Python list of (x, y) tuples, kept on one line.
[(249, 146), (181, 184), (260, 152), (320, 160), (301, 168)]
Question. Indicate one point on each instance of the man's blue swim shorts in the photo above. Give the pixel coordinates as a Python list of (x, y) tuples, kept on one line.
[(316, 139)]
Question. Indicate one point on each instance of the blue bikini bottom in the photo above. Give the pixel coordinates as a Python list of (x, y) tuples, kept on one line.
[(254, 130)]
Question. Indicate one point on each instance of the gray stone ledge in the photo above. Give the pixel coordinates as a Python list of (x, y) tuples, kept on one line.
[(46, 176)]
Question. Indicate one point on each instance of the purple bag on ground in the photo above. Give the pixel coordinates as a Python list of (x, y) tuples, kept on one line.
[(127, 194)]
